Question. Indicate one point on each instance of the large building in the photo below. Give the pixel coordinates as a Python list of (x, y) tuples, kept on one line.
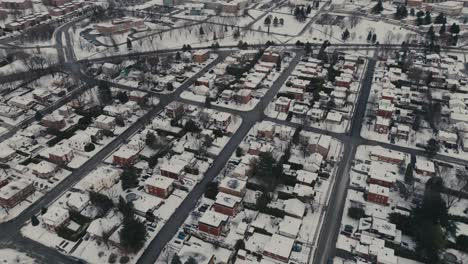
[(119, 25), (15, 192)]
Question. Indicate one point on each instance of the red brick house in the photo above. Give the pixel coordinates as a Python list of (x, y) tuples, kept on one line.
[(282, 104), (125, 156), (343, 81), (243, 96), (175, 110), (227, 204), (54, 121), (172, 170), (382, 125), (386, 155), (159, 186), (385, 109), (212, 223), (3, 181), (201, 56), (15, 192), (233, 186), (378, 194)]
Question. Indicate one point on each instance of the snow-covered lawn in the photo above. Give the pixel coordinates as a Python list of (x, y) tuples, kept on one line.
[(10, 256)]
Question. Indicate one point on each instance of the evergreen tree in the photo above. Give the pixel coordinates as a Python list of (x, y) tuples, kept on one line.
[(104, 93), (214, 36), (34, 220), (427, 18), (176, 259), (369, 37), (309, 10), (38, 116), (129, 178), (122, 97), (201, 31), (267, 21), (345, 35), (374, 38), (191, 260), (275, 22), (178, 57), (129, 44), (412, 11), (133, 235), (455, 29), (443, 29), (431, 34), (440, 19), (378, 8)]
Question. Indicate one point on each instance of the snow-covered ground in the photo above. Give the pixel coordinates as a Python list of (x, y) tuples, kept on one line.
[(10, 256)]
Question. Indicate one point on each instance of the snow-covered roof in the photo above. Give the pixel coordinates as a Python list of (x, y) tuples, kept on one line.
[(294, 207), (290, 226), (227, 200), (280, 246), (159, 181), (213, 218)]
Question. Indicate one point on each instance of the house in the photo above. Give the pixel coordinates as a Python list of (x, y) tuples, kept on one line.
[(381, 177), (175, 110), (385, 108), (294, 207), (279, 248), (201, 56), (387, 155), (378, 194), (101, 178), (243, 96), (54, 217), (306, 177), (173, 169), (289, 227), (137, 96), (22, 102), (16, 4), (105, 122), (233, 186), (60, 154), (382, 125), (125, 156), (212, 223), (159, 186), (320, 144), (78, 201), (6, 152), (265, 129), (41, 95), (79, 141), (403, 131), (119, 111), (221, 119), (334, 118), (341, 81), (15, 192), (282, 104), (98, 228), (203, 252), (119, 25), (54, 121), (43, 169), (227, 204), (425, 167), (449, 140), (271, 55)]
